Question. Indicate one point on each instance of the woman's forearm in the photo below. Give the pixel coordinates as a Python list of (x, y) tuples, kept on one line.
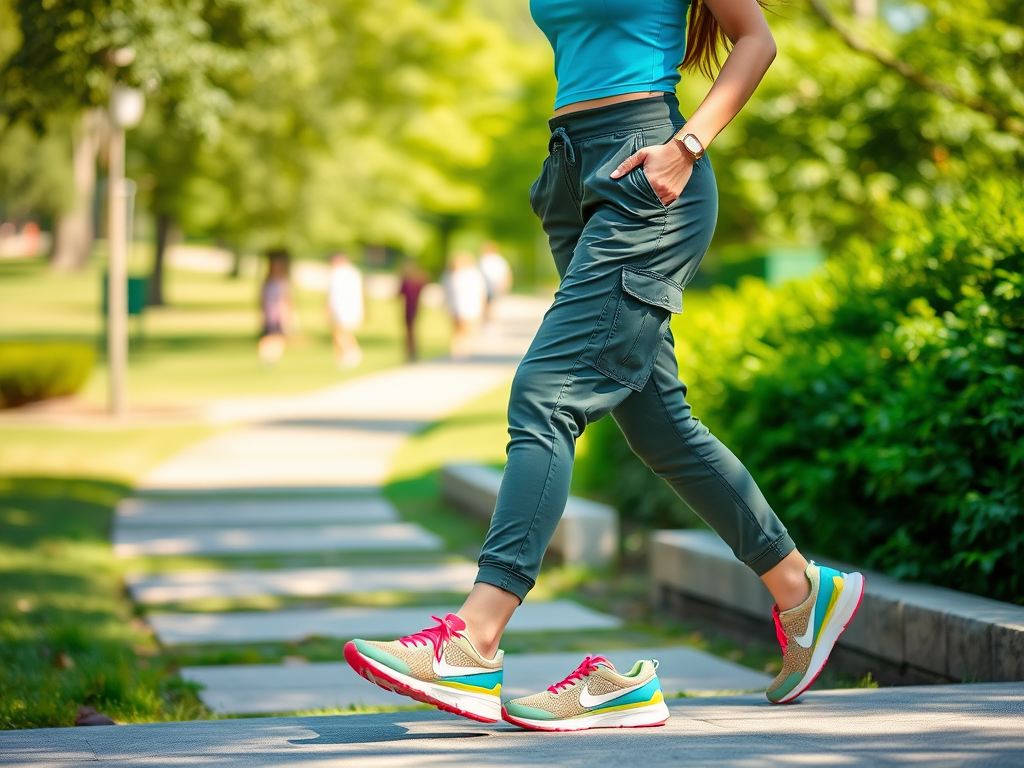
[(746, 64)]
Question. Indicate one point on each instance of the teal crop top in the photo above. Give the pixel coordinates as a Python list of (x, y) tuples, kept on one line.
[(608, 47)]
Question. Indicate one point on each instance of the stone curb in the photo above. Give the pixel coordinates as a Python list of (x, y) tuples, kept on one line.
[(588, 533), (940, 632)]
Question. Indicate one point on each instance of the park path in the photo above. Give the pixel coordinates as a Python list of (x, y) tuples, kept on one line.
[(302, 476)]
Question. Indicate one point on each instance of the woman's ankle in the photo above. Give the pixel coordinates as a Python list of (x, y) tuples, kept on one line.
[(486, 612), (485, 642), (788, 581)]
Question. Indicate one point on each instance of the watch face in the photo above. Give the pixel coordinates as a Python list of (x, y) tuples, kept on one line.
[(692, 144)]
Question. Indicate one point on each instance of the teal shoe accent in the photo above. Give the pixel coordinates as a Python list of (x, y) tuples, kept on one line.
[(381, 656), (639, 696), (783, 690), (530, 713), (485, 680), (826, 588)]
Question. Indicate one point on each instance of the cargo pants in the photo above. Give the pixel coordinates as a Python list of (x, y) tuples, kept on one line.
[(604, 346)]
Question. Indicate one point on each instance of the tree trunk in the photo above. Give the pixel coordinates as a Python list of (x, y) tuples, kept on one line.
[(164, 226), (74, 236)]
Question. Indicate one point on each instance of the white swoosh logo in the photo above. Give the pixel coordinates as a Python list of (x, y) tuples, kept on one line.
[(443, 669), (587, 699), (807, 638)]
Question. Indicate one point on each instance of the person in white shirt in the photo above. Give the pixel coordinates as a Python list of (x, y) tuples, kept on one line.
[(497, 273), (466, 292), (347, 309)]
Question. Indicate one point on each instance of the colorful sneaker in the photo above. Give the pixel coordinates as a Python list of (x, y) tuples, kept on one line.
[(808, 632), (437, 666), (594, 696)]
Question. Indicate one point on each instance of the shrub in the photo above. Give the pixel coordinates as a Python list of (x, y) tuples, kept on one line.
[(32, 371), (880, 406)]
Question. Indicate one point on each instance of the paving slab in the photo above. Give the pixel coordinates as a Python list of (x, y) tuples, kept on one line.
[(940, 726), (269, 688), (290, 626), (139, 542), (190, 512), (300, 582)]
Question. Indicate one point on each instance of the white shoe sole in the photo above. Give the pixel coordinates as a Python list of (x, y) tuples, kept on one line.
[(483, 707), (846, 607), (641, 717)]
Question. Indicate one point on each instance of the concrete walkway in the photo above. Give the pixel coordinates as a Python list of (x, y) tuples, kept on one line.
[(968, 725), (303, 475)]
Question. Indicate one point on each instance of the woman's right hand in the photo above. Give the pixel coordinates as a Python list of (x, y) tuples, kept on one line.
[(668, 168)]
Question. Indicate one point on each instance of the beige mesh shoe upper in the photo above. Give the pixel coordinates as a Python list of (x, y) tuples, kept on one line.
[(458, 652), (794, 623), (564, 701)]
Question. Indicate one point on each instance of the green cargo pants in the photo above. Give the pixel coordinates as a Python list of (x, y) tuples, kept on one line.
[(605, 346)]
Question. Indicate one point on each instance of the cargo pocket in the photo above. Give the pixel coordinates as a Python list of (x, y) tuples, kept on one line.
[(646, 302)]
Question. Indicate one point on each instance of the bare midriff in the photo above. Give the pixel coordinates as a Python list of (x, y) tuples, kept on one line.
[(605, 101)]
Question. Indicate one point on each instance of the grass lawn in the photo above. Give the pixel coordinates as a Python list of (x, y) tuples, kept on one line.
[(67, 633)]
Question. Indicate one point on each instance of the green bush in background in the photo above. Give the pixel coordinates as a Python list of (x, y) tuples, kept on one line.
[(32, 371), (881, 405)]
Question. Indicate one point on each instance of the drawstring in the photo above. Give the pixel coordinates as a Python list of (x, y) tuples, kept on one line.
[(559, 133)]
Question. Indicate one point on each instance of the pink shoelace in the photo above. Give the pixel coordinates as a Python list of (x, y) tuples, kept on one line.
[(780, 633), (589, 665), (440, 635)]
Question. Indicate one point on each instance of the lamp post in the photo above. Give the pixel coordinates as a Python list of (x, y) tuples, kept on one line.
[(126, 107)]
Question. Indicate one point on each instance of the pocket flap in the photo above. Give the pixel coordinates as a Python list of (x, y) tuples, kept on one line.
[(652, 288)]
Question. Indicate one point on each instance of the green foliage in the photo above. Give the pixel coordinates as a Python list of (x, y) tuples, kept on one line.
[(832, 137), (31, 371), (316, 124), (183, 49), (66, 634), (35, 173), (881, 406)]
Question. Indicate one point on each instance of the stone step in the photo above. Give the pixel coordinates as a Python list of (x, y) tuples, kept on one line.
[(345, 623), (191, 512), (299, 582), (587, 533), (269, 688), (386, 537), (927, 630)]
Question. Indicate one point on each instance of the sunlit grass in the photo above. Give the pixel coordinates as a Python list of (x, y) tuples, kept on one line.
[(67, 634)]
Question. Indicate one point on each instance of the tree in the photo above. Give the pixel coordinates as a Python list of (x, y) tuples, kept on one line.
[(836, 133), (62, 71), (374, 132)]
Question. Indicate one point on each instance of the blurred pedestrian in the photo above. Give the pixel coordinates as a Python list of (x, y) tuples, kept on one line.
[(347, 309), (276, 305), (497, 273), (466, 293), (412, 281)]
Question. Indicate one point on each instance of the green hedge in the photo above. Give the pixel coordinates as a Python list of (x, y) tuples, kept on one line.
[(880, 406), (31, 371)]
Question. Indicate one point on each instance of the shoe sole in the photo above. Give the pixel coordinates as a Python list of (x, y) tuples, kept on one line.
[(846, 609), (475, 706), (643, 717)]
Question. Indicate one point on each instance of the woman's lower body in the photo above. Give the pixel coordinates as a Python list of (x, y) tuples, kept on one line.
[(605, 347)]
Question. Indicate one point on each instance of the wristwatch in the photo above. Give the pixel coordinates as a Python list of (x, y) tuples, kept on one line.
[(691, 144)]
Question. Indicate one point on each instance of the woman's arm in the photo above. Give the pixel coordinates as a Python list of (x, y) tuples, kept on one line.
[(668, 167)]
